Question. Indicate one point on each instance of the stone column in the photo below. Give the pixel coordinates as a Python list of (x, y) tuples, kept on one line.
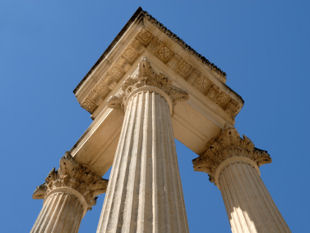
[(233, 165), (145, 191), (68, 193)]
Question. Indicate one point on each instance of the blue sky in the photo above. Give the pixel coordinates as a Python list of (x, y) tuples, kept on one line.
[(46, 48)]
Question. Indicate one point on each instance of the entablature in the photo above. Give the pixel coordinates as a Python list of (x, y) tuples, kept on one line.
[(211, 104)]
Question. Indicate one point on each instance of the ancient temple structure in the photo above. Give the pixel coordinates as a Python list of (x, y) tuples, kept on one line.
[(148, 88)]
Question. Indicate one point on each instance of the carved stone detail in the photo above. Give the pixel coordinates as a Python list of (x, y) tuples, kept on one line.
[(89, 105), (164, 53), (184, 68), (145, 37), (159, 48), (232, 107), (75, 176), (130, 55), (228, 144), (147, 79)]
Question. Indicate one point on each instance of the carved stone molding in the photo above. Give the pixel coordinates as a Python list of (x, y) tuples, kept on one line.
[(227, 145), (73, 178), (146, 79), (209, 80)]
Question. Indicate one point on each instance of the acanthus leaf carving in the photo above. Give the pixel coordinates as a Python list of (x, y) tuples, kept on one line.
[(73, 175), (147, 79), (228, 144)]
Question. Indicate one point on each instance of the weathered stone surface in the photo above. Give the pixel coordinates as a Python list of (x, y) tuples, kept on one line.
[(249, 206), (211, 105), (233, 164), (145, 191), (147, 79), (228, 144), (68, 193)]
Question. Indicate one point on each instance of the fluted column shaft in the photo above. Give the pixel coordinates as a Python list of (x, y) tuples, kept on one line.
[(145, 191), (61, 212), (249, 205), (233, 164)]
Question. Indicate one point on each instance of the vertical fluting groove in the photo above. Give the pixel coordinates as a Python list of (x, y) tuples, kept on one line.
[(65, 212), (56, 211), (49, 212), (261, 204), (235, 225), (282, 224), (155, 181), (248, 203), (129, 158), (236, 210), (51, 199), (179, 193), (112, 225), (132, 202), (165, 169), (246, 193), (137, 153), (148, 210), (238, 198), (39, 219), (227, 201), (267, 206), (242, 194), (258, 215), (164, 156), (226, 191), (266, 199), (234, 214), (159, 182), (112, 182), (61, 214), (78, 219), (172, 183), (68, 215), (143, 205), (57, 208)]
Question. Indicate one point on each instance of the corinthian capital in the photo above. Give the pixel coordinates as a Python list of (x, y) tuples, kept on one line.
[(72, 176), (146, 79), (227, 145)]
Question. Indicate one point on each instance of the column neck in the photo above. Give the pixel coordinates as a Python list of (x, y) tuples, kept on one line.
[(73, 192), (147, 88), (228, 148), (230, 161)]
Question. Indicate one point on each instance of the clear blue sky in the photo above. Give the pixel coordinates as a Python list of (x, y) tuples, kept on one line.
[(46, 48)]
